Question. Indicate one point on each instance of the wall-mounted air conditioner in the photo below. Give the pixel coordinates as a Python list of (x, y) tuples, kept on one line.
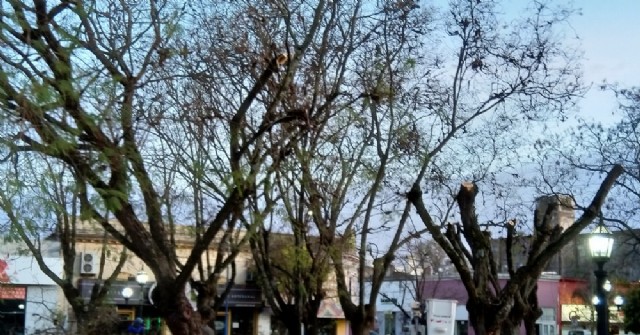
[(88, 263)]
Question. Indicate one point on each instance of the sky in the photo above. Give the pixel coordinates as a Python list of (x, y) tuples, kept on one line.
[(609, 34)]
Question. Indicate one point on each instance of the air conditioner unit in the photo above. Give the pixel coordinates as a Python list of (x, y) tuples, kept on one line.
[(88, 263)]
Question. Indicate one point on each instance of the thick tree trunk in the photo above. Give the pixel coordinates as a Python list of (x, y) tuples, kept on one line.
[(293, 325), (359, 328), (510, 328), (311, 326), (477, 321), (530, 326), (482, 318), (207, 295), (176, 310), (181, 318), (362, 324)]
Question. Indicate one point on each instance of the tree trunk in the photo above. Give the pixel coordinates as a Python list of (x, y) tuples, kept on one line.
[(311, 326), (176, 310), (293, 325), (207, 295), (362, 324), (509, 328), (530, 326), (359, 328), (477, 322), (482, 319)]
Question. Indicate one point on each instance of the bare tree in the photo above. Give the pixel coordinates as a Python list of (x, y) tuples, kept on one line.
[(494, 308), (333, 151)]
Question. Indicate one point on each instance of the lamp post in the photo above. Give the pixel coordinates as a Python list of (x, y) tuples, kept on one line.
[(142, 278), (600, 245), (127, 292)]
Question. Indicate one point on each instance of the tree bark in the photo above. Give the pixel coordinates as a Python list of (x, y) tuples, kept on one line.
[(176, 310), (293, 326)]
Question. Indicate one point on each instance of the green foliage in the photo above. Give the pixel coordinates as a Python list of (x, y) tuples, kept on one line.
[(297, 268), (631, 309)]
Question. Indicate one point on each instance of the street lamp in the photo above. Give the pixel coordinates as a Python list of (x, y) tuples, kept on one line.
[(618, 300), (600, 245), (607, 286), (142, 278), (127, 292)]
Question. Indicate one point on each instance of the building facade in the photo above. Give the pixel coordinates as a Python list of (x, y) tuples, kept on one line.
[(27, 295), (452, 288), (395, 302), (33, 302)]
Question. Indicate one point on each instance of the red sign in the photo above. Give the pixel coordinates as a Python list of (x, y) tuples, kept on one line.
[(13, 292), (4, 277)]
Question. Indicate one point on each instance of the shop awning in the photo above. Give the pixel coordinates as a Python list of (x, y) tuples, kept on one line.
[(330, 309)]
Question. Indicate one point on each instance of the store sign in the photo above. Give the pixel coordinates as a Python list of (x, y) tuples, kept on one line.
[(10, 292), (243, 296), (24, 270), (388, 301), (114, 294)]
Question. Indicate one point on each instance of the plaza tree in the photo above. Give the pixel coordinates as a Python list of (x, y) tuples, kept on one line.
[(293, 272), (75, 87), (411, 114)]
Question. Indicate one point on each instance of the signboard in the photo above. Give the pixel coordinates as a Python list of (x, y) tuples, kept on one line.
[(441, 316), (114, 295), (388, 301), (10, 292), (24, 270), (243, 296)]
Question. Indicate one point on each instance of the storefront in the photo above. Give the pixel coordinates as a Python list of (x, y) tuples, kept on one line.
[(28, 298), (137, 304), (239, 314), (331, 318), (12, 304)]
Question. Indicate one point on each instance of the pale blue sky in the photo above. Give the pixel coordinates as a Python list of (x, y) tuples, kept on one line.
[(609, 34)]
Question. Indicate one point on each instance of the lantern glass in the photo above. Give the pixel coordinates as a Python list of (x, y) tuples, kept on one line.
[(127, 292), (600, 244), (142, 277)]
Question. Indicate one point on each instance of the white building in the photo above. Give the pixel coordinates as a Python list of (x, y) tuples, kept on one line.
[(30, 299)]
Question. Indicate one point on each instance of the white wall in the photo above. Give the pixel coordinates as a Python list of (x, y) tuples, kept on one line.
[(402, 292), (264, 323), (41, 308)]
